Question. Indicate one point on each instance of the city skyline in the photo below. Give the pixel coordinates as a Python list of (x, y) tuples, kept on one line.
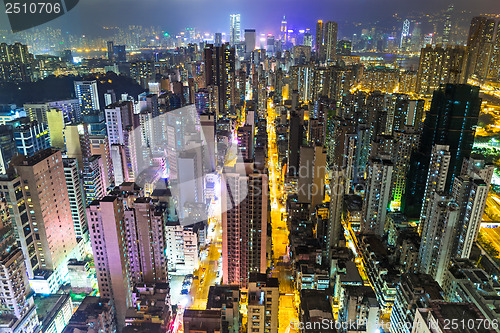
[(157, 182), (264, 16)]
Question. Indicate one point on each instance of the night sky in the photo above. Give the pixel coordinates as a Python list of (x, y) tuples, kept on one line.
[(264, 15)]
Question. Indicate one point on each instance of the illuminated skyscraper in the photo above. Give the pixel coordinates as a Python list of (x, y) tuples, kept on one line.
[(438, 236), (110, 47), (70, 109), (15, 63), (106, 219), (319, 40), (76, 197), (447, 26), (235, 29), (244, 224), (37, 111), (270, 46), (284, 30), (17, 309), (470, 191), (30, 136), (220, 77), (440, 66), (86, 93), (50, 208), (145, 229), (479, 47), (377, 196), (494, 72), (405, 34), (450, 121), (330, 43), (308, 39), (436, 179)]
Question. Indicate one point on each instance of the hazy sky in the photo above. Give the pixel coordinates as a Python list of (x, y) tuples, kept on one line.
[(264, 15)]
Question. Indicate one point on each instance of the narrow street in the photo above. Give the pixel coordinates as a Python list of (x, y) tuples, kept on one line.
[(288, 304)]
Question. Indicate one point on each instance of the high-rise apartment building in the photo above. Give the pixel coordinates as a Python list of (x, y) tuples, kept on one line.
[(70, 109), (244, 224), (30, 136), (450, 121), (480, 47), (15, 194), (377, 196), (436, 179), (99, 145), (470, 191), (15, 63), (37, 111), (438, 235), (405, 141), (439, 66), (330, 43), (494, 71), (436, 316), (76, 197), (220, 77), (320, 31), (145, 232), (182, 249), (87, 95), (50, 209), (246, 141), (93, 179), (358, 305)]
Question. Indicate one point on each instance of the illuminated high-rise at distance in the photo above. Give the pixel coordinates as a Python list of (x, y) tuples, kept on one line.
[(235, 29), (440, 65), (319, 40), (86, 93), (494, 71), (405, 34), (330, 43), (218, 39), (479, 47), (16, 303), (447, 26), (284, 30)]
